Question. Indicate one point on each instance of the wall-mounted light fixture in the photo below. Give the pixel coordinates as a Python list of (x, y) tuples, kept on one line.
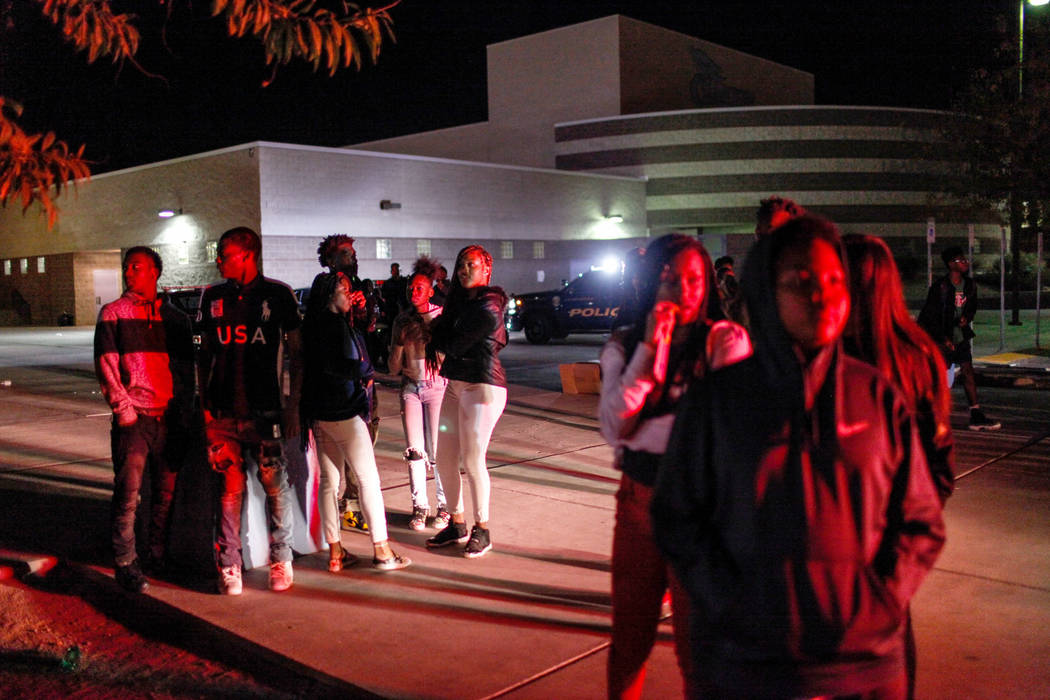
[(168, 213), (614, 219), (387, 204)]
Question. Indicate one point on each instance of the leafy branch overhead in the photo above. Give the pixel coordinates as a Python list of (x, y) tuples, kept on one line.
[(32, 164), (288, 30)]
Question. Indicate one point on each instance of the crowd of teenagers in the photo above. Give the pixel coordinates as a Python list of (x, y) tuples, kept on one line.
[(784, 439), (267, 373)]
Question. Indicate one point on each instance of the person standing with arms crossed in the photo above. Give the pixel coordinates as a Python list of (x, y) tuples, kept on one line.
[(144, 364), (244, 322)]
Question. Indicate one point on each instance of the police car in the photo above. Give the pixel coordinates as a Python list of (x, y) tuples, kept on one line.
[(588, 304)]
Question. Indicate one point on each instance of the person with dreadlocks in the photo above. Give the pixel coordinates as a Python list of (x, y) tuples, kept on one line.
[(470, 333), (336, 252), (673, 332), (422, 391)]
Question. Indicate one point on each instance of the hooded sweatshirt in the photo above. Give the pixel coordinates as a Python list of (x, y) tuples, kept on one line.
[(143, 354), (797, 509)]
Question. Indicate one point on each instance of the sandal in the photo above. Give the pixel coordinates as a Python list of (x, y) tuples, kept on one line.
[(337, 565), (392, 563)]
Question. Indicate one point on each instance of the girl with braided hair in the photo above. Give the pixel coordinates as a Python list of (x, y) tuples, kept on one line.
[(422, 391)]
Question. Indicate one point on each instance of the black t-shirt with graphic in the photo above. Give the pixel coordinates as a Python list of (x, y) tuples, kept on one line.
[(242, 328)]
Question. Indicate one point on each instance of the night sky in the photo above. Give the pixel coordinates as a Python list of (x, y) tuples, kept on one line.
[(910, 54)]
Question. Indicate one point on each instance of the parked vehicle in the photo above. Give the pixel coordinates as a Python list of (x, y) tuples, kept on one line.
[(588, 304)]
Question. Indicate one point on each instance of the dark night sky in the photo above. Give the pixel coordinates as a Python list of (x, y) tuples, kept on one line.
[(911, 54)]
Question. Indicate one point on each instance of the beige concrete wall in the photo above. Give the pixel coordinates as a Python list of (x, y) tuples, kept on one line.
[(114, 211), (468, 142), (308, 193), (117, 210), (658, 67), (559, 75)]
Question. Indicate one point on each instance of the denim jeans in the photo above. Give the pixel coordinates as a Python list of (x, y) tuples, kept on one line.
[(228, 439), (420, 416), (134, 447), (468, 417)]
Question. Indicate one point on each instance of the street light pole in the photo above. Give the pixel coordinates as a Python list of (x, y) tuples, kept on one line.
[(1016, 203)]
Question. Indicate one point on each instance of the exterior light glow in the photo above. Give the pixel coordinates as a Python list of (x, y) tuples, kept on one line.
[(617, 219), (166, 213)]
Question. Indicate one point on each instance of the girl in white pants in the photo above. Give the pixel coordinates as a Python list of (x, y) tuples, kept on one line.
[(470, 333), (336, 403)]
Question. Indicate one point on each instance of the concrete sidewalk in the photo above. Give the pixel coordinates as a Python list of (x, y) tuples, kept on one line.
[(531, 619)]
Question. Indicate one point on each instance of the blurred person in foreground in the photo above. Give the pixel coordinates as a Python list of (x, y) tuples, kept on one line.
[(794, 499), (673, 337), (882, 333)]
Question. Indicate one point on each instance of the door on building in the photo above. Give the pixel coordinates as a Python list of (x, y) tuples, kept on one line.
[(107, 287)]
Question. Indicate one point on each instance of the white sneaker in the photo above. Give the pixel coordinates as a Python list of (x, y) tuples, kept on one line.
[(230, 580), (280, 575)]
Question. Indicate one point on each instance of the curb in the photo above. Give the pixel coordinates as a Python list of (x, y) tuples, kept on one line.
[(1011, 377)]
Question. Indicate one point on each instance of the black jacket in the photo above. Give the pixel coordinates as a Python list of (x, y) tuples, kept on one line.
[(471, 333), (938, 313), (799, 533), (337, 381)]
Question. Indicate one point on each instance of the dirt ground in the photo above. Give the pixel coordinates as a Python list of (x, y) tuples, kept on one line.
[(47, 620)]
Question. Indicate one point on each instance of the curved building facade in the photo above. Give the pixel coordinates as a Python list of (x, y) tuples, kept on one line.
[(871, 169)]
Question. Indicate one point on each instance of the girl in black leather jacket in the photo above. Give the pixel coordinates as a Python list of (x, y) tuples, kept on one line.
[(470, 333)]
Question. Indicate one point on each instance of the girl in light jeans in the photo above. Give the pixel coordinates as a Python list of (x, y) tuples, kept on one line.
[(422, 391)]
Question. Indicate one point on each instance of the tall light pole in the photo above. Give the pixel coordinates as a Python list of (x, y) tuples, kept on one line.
[(1020, 43), (1016, 204)]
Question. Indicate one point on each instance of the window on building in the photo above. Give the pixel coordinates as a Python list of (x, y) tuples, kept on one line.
[(383, 249), (211, 251), (422, 246), (40, 265), (23, 266), (506, 250), (7, 267), (184, 253), (539, 251)]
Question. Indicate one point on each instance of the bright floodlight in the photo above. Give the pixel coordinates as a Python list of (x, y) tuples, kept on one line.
[(1037, 3), (166, 213), (617, 219)]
